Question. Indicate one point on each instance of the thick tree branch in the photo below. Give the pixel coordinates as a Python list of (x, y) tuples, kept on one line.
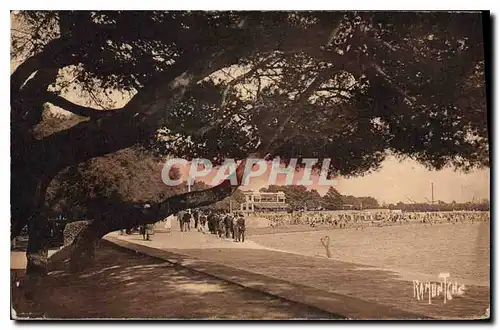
[(335, 31), (135, 122), (144, 112), (119, 215), (23, 72), (76, 108), (26, 104), (51, 55)]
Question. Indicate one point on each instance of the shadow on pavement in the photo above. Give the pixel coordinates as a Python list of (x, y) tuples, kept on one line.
[(125, 284)]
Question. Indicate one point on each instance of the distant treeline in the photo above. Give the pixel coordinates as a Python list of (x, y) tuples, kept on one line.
[(298, 197), (440, 206)]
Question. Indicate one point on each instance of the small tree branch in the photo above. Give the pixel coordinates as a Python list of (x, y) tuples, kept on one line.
[(333, 93), (335, 31)]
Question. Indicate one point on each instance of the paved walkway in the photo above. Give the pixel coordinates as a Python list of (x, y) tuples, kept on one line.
[(124, 284), (348, 289)]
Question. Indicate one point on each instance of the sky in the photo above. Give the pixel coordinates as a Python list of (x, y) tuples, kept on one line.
[(398, 181)]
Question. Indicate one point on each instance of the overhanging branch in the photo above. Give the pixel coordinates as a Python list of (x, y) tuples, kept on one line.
[(76, 108), (119, 215), (135, 122)]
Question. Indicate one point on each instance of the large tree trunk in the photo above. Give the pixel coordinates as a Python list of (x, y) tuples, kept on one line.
[(38, 231), (36, 254), (29, 178), (28, 190)]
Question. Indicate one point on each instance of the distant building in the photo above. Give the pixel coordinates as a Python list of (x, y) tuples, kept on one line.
[(260, 201)]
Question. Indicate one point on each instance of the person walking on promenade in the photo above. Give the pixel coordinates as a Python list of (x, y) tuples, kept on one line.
[(215, 222), (142, 231), (236, 232), (150, 231), (196, 215), (180, 219), (227, 224), (186, 219), (203, 221), (241, 228), (210, 221), (168, 223), (220, 225)]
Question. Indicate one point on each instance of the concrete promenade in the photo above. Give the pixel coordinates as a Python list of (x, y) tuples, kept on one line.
[(127, 285), (347, 289), (186, 275)]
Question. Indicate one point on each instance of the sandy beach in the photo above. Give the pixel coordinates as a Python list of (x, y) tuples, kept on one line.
[(407, 249)]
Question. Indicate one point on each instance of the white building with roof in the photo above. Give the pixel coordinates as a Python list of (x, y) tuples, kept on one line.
[(256, 200)]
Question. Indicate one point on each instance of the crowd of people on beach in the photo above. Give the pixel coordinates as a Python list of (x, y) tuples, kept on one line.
[(224, 224), (361, 219)]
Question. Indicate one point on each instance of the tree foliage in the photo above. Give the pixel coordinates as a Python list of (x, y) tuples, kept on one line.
[(410, 83), (298, 197), (366, 202), (131, 175), (333, 200)]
